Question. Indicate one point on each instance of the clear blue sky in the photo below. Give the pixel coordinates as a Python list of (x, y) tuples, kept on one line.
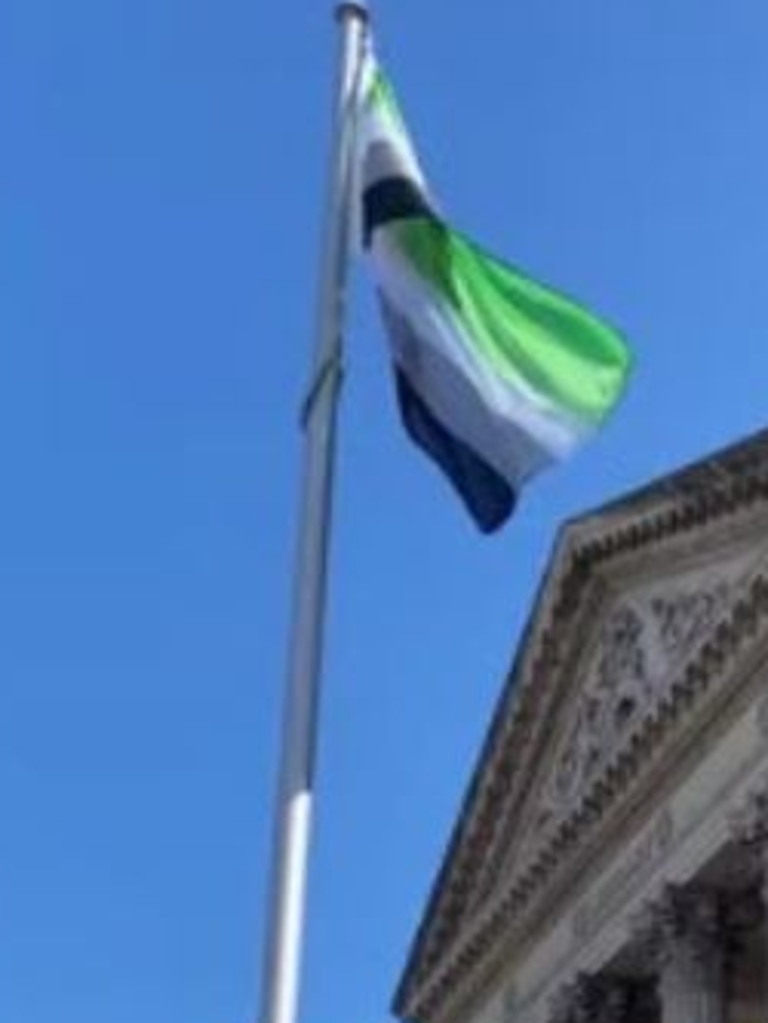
[(159, 199)]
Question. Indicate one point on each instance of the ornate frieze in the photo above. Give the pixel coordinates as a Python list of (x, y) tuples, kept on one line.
[(618, 686), (639, 646), (684, 618)]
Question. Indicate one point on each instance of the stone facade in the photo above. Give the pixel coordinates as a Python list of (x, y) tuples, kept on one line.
[(611, 859)]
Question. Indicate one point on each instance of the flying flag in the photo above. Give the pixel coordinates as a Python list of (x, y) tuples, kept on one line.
[(497, 376)]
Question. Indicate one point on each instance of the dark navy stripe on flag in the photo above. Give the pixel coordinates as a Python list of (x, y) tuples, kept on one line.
[(488, 497)]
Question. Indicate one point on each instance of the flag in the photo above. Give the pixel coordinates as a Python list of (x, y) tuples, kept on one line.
[(497, 376)]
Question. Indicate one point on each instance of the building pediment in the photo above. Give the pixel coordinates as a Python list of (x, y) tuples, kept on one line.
[(641, 605)]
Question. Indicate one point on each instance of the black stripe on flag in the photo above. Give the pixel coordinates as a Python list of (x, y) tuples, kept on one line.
[(488, 497), (393, 198)]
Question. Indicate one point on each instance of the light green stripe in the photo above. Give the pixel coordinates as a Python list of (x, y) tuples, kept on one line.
[(381, 100), (520, 327), (381, 95)]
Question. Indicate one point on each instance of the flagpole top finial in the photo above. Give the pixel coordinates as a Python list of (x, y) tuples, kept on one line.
[(352, 9)]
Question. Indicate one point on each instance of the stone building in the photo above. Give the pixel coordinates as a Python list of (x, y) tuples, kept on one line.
[(609, 862)]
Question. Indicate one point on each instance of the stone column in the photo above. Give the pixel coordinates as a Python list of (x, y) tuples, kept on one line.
[(591, 999), (749, 829), (684, 935)]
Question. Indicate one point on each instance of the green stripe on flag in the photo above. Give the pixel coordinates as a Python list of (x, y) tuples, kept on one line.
[(523, 330), (381, 98)]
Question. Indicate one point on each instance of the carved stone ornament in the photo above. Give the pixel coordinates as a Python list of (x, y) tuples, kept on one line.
[(684, 618), (609, 701), (640, 644)]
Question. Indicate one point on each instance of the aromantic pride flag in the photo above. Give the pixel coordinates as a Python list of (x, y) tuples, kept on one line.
[(497, 376)]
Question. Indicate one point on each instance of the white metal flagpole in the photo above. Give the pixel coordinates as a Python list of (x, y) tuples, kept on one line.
[(280, 983)]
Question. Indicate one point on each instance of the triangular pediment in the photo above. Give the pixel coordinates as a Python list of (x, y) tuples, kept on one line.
[(635, 596)]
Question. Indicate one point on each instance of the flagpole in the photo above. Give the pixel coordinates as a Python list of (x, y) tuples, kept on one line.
[(293, 813)]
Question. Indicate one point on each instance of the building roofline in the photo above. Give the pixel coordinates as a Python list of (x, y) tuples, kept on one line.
[(707, 486)]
